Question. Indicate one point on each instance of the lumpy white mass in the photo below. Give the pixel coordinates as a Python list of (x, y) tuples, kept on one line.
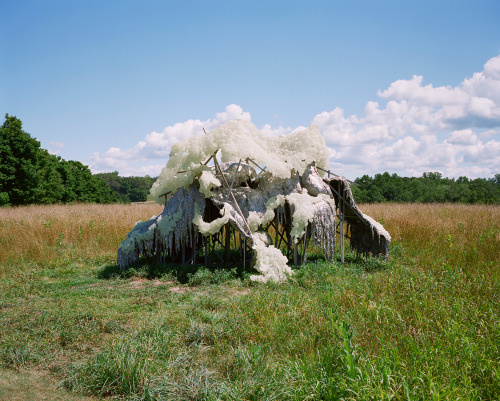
[(286, 186), (239, 140)]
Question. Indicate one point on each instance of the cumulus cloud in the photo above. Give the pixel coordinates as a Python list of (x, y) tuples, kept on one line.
[(413, 91), (412, 127), (58, 145), (416, 127), (149, 156)]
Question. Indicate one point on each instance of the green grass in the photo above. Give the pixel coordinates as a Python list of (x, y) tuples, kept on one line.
[(424, 325)]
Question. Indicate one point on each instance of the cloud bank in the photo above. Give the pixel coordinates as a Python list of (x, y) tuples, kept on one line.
[(412, 128)]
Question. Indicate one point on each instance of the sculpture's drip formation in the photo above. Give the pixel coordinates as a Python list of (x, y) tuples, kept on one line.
[(271, 202)]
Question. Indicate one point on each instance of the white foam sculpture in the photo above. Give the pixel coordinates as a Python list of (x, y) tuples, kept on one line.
[(261, 181)]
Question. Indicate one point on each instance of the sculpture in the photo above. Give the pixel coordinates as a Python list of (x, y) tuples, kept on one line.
[(265, 198)]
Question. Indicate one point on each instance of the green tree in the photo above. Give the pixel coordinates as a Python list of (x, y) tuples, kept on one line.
[(138, 195), (29, 174), (129, 189), (19, 160), (367, 190)]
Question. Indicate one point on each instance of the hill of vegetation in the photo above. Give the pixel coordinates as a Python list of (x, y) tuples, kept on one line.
[(31, 175)]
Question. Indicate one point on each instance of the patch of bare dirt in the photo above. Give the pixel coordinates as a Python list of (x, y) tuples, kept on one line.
[(33, 385), (179, 290), (236, 292), (141, 282)]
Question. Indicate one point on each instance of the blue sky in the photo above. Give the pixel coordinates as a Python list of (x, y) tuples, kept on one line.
[(397, 86)]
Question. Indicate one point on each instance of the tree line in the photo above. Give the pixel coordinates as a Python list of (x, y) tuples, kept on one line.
[(431, 187), (31, 175), (128, 189)]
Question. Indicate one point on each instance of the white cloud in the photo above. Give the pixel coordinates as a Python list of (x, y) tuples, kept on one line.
[(413, 91), (485, 83), (464, 137), (412, 128), (421, 128), (266, 129), (492, 69), (57, 144), (483, 107), (156, 145)]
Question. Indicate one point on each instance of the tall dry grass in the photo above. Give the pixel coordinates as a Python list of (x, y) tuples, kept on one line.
[(465, 235), (55, 234)]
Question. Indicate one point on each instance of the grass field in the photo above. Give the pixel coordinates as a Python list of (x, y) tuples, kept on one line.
[(424, 325)]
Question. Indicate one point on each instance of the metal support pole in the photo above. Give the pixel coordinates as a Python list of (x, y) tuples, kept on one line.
[(227, 243), (206, 251), (276, 237), (244, 252), (304, 247), (342, 212)]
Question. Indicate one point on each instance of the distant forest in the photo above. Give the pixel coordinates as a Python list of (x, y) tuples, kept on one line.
[(429, 188), (128, 189), (31, 175)]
